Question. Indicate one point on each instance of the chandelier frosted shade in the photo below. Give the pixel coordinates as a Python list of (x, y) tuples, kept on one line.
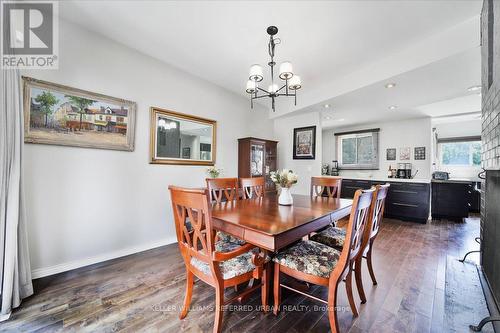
[(273, 88), (286, 70), (251, 87), (295, 83), (256, 73)]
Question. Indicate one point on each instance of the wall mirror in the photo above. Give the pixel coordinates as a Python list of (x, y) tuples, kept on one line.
[(178, 138)]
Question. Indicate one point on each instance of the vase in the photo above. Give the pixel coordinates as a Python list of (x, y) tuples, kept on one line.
[(285, 197)]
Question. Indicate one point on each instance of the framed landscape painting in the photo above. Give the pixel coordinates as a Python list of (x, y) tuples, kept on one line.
[(58, 115), (304, 143)]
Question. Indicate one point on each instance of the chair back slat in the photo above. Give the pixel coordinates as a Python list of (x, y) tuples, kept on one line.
[(253, 187), (331, 184), (357, 222), (223, 189), (192, 205), (378, 206)]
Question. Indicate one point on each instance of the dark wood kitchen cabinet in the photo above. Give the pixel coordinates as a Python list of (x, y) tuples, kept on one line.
[(452, 200), (406, 201), (257, 158)]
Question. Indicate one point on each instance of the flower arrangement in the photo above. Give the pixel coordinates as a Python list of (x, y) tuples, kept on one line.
[(284, 178), (213, 172)]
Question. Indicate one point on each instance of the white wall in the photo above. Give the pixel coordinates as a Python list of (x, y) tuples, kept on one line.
[(89, 205), (283, 131), (403, 133)]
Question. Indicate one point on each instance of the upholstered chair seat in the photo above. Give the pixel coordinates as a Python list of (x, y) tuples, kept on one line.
[(223, 237), (309, 257), (231, 268), (331, 236)]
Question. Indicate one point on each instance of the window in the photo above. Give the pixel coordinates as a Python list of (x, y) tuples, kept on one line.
[(460, 153), (358, 150)]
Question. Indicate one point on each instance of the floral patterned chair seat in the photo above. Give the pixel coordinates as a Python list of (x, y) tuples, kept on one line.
[(309, 257), (222, 236), (331, 236), (233, 267)]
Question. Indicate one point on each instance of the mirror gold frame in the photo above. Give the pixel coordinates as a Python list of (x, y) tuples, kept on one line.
[(154, 111)]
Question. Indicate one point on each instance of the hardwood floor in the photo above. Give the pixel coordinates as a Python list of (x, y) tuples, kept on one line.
[(422, 288)]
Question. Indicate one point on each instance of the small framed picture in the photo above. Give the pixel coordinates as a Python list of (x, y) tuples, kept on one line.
[(391, 154), (404, 153), (419, 153), (304, 143), (186, 152)]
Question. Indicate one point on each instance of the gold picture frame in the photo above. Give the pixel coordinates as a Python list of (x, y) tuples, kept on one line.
[(155, 115), (55, 114)]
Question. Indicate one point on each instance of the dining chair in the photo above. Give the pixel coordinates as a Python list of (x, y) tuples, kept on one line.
[(224, 189), (335, 237), (217, 263), (323, 265), (331, 185), (253, 187)]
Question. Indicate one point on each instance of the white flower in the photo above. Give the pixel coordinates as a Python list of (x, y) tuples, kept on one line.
[(284, 178)]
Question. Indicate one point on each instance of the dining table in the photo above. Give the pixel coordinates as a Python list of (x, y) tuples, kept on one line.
[(270, 226)]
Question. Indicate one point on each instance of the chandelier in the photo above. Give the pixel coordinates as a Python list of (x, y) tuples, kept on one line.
[(292, 81)]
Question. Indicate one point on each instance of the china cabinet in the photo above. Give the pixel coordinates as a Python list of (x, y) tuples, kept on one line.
[(257, 158)]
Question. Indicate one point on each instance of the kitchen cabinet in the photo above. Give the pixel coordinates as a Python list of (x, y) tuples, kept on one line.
[(406, 201), (453, 200)]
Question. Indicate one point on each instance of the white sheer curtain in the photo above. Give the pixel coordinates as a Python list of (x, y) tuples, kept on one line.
[(15, 271)]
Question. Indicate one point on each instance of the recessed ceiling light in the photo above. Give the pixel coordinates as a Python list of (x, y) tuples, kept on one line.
[(341, 119), (474, 88), (393, 107), (390, 85), (326, 106), (328, 117)]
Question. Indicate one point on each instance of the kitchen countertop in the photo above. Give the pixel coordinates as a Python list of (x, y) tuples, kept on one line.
[(456, 180), (382, 179)]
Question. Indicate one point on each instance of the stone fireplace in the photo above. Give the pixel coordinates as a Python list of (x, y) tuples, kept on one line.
[(490, 196), (491, 231)]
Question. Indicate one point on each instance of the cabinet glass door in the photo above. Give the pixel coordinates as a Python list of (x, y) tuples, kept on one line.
[(256, 159)]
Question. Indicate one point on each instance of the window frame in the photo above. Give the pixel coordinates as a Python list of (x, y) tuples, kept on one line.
[(470, 140), (374, 164)]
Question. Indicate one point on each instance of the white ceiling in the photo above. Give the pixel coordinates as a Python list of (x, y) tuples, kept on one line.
[(219, 40), (437, 89), (470, 103)]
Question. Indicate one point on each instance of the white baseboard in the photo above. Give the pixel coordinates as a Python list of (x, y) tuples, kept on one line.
[(67, 266)]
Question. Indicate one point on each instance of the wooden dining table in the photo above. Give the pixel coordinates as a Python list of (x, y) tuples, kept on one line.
[(270, 226)]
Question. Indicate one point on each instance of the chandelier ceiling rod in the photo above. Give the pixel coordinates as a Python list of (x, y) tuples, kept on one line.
[(292, 81)]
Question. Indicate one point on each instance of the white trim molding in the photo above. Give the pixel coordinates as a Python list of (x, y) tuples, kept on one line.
[(68, 266)]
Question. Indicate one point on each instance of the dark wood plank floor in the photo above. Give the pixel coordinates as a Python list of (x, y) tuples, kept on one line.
[(422, 288)]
